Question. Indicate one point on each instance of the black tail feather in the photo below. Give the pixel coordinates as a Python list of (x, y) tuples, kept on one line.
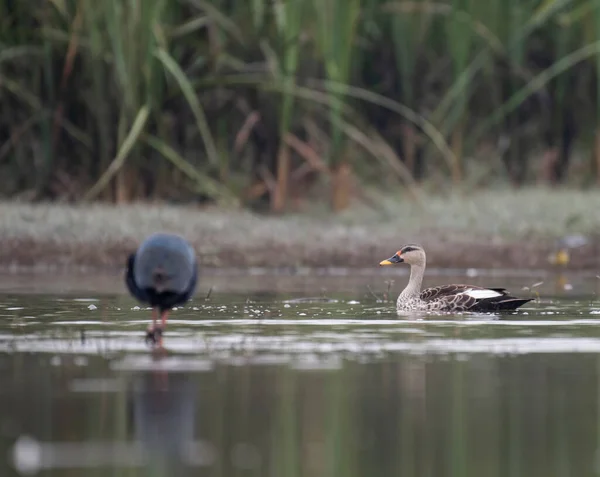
[(504, 303)]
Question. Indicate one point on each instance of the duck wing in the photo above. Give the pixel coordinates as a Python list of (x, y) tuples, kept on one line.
[(435, 293), (471, 298), (444, 291)]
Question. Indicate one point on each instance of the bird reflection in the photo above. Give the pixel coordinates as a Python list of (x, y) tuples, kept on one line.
[(164, 405)]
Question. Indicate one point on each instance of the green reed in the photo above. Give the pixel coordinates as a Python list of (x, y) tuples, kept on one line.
[(215, 101)]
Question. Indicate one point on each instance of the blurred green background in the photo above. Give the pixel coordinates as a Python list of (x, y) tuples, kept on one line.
[(267, 103)]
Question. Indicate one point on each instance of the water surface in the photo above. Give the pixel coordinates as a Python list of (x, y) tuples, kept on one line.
[(298, 375)]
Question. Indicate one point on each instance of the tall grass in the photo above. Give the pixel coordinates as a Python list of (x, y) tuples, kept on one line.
[(266, 102)]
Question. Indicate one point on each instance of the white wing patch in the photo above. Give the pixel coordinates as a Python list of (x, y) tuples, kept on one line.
[(480, 294)]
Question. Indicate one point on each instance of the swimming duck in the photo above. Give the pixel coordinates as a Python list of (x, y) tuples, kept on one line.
[(452, 298), (163, 273)]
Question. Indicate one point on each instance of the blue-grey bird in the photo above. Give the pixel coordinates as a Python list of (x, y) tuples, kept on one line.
[(163, 272)]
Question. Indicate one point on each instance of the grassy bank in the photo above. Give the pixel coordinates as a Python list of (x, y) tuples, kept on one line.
[(510, 229), (256, 102)]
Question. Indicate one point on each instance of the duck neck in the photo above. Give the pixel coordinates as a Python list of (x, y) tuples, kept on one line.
[(413, 289)]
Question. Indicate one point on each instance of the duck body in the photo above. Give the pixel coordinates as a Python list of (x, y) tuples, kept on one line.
[(459, 298), (447, 298), (163, 272)]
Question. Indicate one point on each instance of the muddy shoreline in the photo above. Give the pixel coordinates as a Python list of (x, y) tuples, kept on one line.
[(43, 255), (54, 236)]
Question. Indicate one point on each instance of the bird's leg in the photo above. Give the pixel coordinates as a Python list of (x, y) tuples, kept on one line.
[(157, 333), (151, 333), (164, 317), (154, 318)]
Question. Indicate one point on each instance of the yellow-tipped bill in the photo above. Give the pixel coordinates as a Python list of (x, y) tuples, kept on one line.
[(392, 260)]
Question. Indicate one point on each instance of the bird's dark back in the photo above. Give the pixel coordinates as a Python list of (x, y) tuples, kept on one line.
[(166, 261)]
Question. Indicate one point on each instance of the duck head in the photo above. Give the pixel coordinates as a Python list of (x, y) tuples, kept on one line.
[(412, 254)]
